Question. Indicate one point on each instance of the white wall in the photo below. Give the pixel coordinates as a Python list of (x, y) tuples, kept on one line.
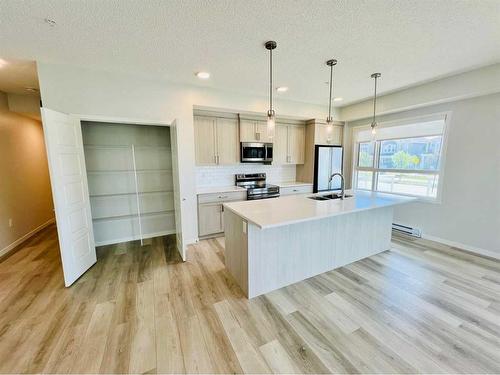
[(469, 214), (470, 84), (224, 175), (98, 93)]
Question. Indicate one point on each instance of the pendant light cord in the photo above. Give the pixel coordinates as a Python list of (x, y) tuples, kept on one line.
[(270, 79), (330, 102), (375, 100)]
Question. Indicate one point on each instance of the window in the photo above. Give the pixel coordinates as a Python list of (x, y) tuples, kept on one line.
[(403, 159)]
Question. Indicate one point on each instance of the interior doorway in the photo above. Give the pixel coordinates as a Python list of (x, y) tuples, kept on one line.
[(112, 182)]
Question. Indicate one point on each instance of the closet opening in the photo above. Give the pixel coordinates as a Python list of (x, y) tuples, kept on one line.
[(130, 184)]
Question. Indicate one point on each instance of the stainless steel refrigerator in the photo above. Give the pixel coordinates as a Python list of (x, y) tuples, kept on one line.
[(327, 160)]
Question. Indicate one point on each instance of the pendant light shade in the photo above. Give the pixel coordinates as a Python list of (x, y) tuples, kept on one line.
[(271, 115), (329, 120), (374, 122)]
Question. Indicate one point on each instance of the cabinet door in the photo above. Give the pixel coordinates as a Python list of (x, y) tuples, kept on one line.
[(227, 141), (247, 131), (324, 137), (280, 148), (296, 143), (337, 134), (290, 190), (209, 219), (204, 140), (261, 130)]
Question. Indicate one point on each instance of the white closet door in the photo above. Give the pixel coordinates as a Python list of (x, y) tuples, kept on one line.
[(63, 140), (178, 199)]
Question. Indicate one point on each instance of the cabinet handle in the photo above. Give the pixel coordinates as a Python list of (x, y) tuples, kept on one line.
[(223, 197), (221, 208), (257, 136), (215, 159)]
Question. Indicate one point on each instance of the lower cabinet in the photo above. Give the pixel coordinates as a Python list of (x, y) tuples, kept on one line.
[(211, 211), (210, 219)]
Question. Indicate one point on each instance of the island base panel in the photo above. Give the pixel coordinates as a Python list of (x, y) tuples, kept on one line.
[(262, 260)]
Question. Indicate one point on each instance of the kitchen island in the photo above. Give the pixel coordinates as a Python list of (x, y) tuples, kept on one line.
[(272, 243)]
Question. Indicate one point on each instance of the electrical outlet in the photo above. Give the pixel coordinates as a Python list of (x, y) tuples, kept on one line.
[(10, 223)]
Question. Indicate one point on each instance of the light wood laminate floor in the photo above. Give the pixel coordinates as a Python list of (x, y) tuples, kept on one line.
[(420, 307)]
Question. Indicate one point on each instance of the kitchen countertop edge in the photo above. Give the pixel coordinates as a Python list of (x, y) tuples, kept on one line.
[(398, 199)]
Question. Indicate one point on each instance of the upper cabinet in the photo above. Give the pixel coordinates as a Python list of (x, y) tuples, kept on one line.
[(216, 140), (280, 147), (254, 131), (325, 137), (289, 144), (317, 133), (226, 136)]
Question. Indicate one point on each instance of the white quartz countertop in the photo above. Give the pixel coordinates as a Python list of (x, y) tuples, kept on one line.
[(227, 189), (291, 209), (292, 183), (218, 189)]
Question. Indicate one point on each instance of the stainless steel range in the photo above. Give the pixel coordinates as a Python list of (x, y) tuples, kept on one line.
[(256, 186)]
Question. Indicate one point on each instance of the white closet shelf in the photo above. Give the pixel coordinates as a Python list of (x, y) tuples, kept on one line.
[(126, 147), (123, 194), (133, 216), (131, 171)]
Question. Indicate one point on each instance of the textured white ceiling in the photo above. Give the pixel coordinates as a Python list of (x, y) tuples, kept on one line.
[(17, 75), (408, 41)]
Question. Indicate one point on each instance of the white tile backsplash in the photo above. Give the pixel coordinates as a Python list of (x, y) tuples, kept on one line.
[(224, 175)]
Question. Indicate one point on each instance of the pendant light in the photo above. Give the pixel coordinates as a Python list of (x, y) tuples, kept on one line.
[(271, 115), (374, 123), (329, 120)]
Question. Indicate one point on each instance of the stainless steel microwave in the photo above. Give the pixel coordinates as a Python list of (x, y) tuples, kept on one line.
[(256, 152)]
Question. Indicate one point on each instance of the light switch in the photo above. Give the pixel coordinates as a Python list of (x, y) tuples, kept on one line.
[(244, 227)]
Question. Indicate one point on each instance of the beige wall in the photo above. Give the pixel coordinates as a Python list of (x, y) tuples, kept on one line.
[(4, 103), (28, 105), (25, 195)]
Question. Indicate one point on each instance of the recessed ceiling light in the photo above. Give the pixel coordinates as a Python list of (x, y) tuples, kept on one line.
[(282, 89), (203, 75), (50, 22), (338, 99), (31, 89)]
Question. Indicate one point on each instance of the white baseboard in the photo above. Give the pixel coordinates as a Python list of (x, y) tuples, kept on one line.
[(472, 249), (19, 241)]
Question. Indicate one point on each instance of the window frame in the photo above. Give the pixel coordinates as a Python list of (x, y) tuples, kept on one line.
[(375, 170)]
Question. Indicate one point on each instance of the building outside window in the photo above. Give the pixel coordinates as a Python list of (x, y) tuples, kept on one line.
[(404, 159)]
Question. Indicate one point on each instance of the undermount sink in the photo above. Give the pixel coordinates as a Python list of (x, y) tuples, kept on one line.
[(319, 198), (328, 197), (335, 196)]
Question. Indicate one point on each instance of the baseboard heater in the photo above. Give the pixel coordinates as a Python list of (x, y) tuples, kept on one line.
[(415, 232)]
